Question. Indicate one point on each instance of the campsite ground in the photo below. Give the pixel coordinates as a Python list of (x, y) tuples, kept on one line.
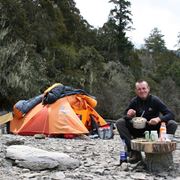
[(99, 160)]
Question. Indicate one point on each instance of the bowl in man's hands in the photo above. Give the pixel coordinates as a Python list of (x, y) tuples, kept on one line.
[(139, 122)]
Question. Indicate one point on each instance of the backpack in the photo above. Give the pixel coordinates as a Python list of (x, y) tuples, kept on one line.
[(104, 132)]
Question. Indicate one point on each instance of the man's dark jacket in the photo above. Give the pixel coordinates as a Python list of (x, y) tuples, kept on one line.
[(152, 106)]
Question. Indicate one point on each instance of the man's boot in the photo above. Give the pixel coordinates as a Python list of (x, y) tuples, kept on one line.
[(134, 157)]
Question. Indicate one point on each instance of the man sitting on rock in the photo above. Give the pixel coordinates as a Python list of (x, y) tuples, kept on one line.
[(153, 109)]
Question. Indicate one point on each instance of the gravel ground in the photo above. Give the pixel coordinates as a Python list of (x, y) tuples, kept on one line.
[(99, 160)]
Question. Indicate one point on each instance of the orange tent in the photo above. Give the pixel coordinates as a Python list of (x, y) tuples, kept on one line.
[(68, 115)]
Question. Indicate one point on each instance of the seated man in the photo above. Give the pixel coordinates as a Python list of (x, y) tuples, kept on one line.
[(152, 108)]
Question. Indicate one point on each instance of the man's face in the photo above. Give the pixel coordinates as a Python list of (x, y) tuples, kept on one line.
[(142, 90)]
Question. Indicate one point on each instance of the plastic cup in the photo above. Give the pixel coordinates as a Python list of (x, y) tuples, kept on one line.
[(146, 134), (154, 136)]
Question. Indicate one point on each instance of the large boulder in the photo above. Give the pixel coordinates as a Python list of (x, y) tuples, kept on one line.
[(38, 159)]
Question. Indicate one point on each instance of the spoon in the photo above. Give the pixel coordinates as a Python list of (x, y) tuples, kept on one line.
[(142, 114)]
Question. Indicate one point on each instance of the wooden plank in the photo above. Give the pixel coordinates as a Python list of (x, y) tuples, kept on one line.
[(5, 118)]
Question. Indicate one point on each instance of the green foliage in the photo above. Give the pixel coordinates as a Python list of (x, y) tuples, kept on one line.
[(91, 64), (46, 23), (78, 30), (155, 42), (13, 16), (121, 15), (135, 64), (178, 42), (161, 70), (113, 33), (174, 72), (22, 71), (62, 58), (90, 55), (47, 41), (115, 89), (169, 93)]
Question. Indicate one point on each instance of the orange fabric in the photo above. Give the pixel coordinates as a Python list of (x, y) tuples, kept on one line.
[(16, 125), (63, 119), (17, 113), (38, 124), (59, 117), (82, 105), (56, 118)]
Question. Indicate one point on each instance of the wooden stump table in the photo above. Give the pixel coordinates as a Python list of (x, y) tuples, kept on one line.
[(158, 154)]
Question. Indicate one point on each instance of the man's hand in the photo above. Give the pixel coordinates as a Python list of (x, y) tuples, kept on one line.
[(154, 121), (131, 113)]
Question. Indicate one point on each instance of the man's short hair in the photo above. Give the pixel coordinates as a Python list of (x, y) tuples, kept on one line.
[(141, 81)]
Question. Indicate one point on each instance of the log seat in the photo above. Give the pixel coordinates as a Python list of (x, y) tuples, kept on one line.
[(158, 154)]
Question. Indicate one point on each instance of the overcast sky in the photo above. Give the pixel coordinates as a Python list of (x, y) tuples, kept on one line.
[(146, 14)]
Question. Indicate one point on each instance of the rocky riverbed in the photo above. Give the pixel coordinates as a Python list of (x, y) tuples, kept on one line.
[(99, 160)]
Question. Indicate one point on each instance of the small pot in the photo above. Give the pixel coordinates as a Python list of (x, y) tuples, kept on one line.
[(139, 122)]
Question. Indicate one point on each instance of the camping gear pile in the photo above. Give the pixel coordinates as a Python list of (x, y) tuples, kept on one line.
[(59, 111)]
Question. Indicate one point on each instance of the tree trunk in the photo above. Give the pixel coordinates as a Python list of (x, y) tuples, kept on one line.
[(157, 162), (158, 154)]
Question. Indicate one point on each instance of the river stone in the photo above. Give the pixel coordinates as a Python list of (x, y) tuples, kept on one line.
[(58, 175), (38, 159)]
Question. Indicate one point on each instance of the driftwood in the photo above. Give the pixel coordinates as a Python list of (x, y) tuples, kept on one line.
[(158, 155)]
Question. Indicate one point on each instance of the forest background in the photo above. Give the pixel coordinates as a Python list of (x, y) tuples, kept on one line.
[(47, 41)]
